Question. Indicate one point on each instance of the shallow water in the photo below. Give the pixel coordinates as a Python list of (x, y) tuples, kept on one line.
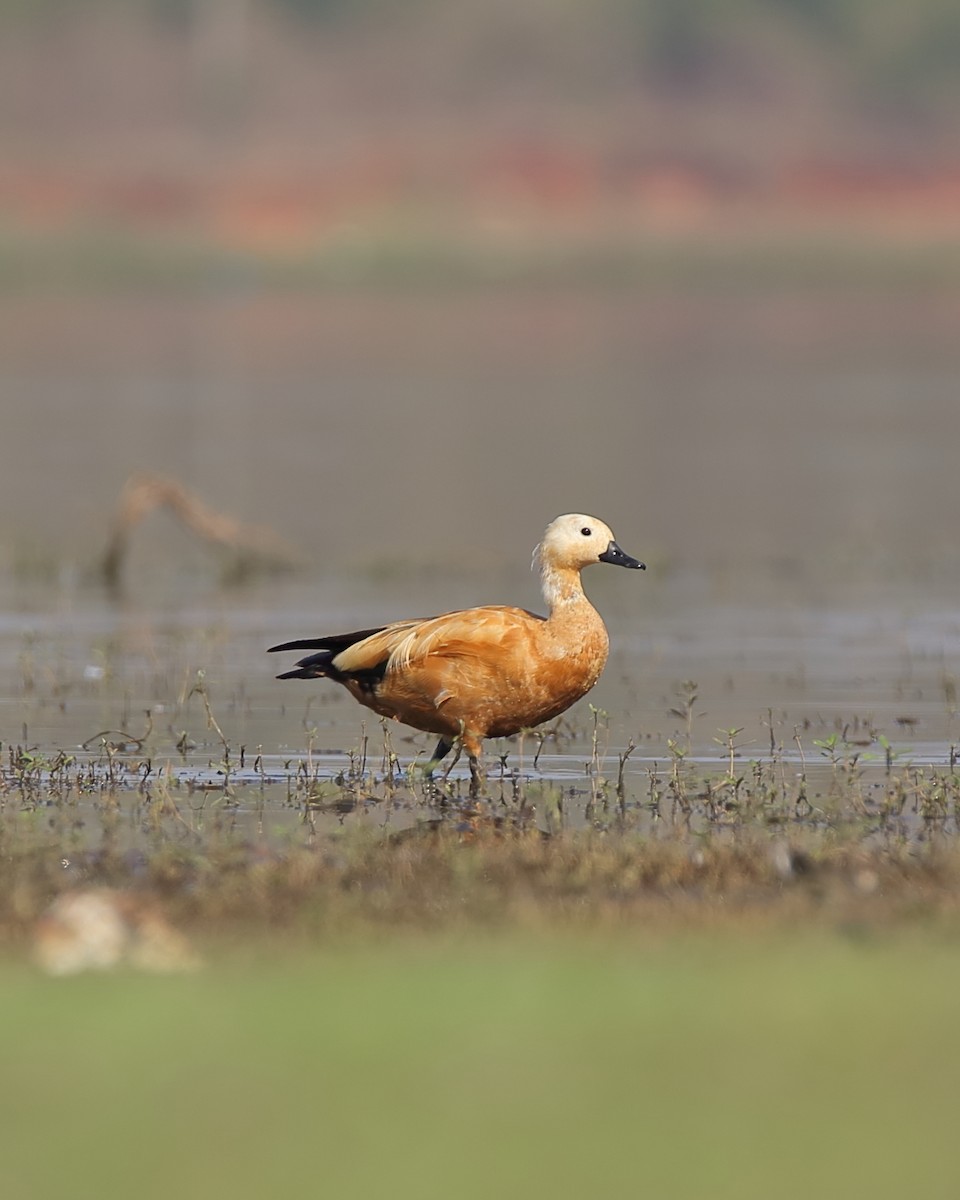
[(90, 676)]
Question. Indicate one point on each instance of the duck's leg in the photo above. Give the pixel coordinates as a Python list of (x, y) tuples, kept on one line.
[(443, 749), (472, 746)]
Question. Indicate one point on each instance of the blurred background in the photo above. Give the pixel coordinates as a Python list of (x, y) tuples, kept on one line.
[(373, 291), (404, 282)]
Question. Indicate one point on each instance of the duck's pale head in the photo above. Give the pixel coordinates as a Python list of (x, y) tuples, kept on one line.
[(574, 541)]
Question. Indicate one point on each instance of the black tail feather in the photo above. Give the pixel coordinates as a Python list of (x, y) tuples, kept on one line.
[(315, 666), (320, 665), (335, 643)]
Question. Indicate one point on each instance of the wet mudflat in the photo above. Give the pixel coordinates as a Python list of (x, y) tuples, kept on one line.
[(783, 678), (729, 757)]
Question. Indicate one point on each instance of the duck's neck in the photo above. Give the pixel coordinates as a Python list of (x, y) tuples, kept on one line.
[(562, 589)]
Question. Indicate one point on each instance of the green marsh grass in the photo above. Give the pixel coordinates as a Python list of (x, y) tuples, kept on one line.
[(813, 1064)]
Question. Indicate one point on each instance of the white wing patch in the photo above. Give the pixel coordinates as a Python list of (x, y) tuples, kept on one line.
[(423, 640), (415, 644)]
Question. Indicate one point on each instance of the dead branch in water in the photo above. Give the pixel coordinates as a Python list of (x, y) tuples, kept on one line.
[(254, 547)]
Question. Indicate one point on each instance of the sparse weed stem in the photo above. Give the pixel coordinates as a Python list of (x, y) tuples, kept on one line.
[(844, 762), (799, 742), (390, 762), (654, 792), (358, 758), (731, 746), (829, 747), (199, 688), (599, 739), (622, 759), (891, 757), (770, 724), (308, 767), (686, 693), (678, 784), (597, 801), (802, 808)]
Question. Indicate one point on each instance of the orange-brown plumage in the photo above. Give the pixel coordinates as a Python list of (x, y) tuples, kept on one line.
[(482, 672)]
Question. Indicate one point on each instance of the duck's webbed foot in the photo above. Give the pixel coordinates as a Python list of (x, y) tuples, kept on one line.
[(464, 742), (431, 768)]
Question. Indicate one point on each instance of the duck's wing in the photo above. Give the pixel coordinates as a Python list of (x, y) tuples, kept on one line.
[(469, 633)]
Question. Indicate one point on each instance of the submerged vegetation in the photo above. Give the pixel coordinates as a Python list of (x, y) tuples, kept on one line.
[(837, 828)]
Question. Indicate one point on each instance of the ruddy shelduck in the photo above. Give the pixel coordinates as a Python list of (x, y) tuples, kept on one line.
[(482, 672)]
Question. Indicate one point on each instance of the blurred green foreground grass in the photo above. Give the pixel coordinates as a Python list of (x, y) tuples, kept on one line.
[(810, 1065)]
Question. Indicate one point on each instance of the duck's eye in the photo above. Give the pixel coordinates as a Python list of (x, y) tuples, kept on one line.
[(586, 531)]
